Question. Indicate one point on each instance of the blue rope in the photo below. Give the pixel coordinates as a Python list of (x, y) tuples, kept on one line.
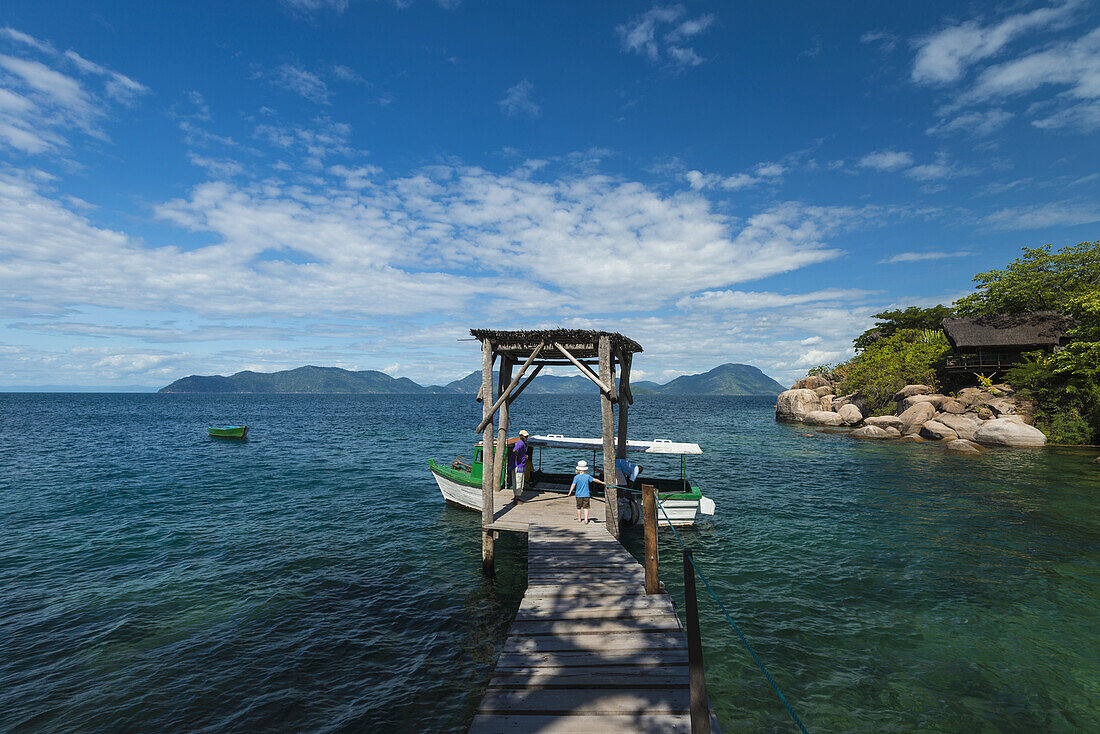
[(729, 618)]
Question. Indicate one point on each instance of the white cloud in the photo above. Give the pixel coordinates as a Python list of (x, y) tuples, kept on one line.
[(517, 100), (892, 160), (886, 160), (323, 138), (909, 257), (770, 170), (932, 171), (762, 173), (662, 35), (424, 243), (753, 301), (347, 74), (886, 41), (1040, 216), (1074, 64), (40, 104), (298, 79), (217, 167), (119, 86), (312, 6), (206, 332), (355, 178), (1084, 117), (976, 124), (945, 56), (28, 40), (771, 339), (1066, 72)]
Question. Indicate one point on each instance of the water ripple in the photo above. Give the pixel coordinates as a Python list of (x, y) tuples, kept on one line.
[(310, 579)]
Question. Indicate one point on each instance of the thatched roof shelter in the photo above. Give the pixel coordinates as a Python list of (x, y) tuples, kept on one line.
[(581, 343), (597, 355), (1017, 331)]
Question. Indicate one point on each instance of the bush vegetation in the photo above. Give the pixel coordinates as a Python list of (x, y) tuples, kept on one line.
[(907, 346), (890, 363)]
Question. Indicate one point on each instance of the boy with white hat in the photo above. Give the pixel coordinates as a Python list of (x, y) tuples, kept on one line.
[(581, 483)]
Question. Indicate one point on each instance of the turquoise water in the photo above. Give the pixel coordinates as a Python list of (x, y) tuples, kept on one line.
[(311, 578)]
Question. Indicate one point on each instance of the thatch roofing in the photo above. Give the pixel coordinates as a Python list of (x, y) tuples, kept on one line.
[(581, 342), (1016, 330)]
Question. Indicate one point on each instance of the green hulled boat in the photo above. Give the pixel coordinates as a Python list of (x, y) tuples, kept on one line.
[(228, 431), (681, 499)]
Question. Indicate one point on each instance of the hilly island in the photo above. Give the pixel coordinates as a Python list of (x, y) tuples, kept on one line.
[(726, 379)]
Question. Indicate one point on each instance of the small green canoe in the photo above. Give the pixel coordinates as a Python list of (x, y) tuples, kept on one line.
[(227, 431)]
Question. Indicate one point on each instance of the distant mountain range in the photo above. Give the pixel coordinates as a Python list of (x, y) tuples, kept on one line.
[(77, 388), (726, 379)]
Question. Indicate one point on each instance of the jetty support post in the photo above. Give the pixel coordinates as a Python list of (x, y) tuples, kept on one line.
[(607, 377), (501, 452), (700, 708), (624, 405), (488, 561), (649, 518)]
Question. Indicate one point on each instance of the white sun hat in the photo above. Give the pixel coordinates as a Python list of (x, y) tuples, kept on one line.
[(582, 465)]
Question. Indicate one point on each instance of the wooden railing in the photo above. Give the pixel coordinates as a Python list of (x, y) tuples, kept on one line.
[(983, 362)]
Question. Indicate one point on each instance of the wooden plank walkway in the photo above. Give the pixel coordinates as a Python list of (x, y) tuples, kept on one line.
[(542, 508), (589, 651)]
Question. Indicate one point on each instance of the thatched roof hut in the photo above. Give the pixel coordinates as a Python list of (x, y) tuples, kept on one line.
[(1018, 332)]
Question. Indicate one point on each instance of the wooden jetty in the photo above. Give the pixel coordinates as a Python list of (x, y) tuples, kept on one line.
[(581, 348), (596, 645), (589, 650)]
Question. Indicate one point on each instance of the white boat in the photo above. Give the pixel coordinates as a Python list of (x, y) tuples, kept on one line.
[(681, 500)]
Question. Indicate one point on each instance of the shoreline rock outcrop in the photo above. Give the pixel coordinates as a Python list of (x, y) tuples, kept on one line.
[(1009, 432), (796, 404), (974, 417), (962, 446)]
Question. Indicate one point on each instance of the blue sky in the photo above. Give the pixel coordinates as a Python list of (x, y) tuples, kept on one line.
[(209, 187)]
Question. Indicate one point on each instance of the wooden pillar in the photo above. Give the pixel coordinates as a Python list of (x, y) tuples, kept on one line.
[(607, 377), (624, 405), (649, 516), (697, 681), (501, 453), (487, 555)]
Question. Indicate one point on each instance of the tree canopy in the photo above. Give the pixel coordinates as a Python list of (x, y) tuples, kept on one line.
[(1040, 280), (891, 322)]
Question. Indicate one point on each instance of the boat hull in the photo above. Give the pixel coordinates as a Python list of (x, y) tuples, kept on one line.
[(458, 493), (464, 494), (228, 432)]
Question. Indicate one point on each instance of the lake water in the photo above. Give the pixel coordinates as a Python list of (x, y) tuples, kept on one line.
[(312, 579)]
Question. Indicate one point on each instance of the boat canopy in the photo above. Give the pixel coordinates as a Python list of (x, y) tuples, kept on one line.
[(656, 446)]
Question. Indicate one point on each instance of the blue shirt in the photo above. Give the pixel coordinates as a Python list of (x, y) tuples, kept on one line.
[(581, 481)]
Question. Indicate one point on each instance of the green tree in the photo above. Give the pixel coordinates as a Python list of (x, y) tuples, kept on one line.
[(1040, 280), (908, 356), (1066, 384), (891, 322)]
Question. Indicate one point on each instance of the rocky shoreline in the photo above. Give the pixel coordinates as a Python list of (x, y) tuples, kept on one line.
[(973, 418)]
